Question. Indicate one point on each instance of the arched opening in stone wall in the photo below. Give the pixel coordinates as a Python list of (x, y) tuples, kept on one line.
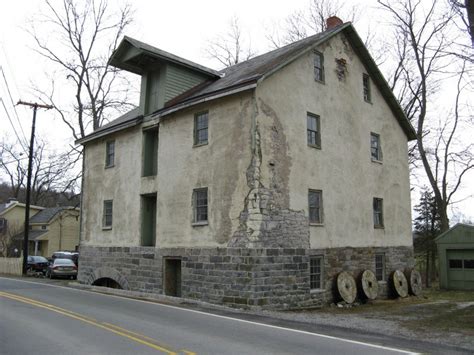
[(107, 282)]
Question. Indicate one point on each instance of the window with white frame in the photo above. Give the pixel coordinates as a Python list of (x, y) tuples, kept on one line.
[(109, 154), (380, 266), (318, 67), (378, 212), (201, 126), (375, 147), (315, 206), (366, 87), (200, 205), (313, 129), (316, 272), (107, 214)]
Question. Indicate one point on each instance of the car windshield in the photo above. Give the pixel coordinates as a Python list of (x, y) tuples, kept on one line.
[(63, 262), (40, 259)]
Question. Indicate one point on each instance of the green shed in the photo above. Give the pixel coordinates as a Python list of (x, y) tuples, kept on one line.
[(456, 257)]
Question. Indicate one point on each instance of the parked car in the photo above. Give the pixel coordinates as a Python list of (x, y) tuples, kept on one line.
[(63, 254), (37, 263), (62, 268)]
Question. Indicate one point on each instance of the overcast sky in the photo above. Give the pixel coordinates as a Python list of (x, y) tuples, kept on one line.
[(180, 27)]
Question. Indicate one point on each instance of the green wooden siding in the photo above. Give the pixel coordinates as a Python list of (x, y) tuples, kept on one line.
[(456, 258), (178, 80), (153, 89)]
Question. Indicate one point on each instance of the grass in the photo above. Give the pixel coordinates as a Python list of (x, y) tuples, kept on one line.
[(434, 310)]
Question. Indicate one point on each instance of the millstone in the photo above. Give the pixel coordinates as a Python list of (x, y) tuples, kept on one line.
[(346, 286), (414, 281), (400, 284), (369, 285)]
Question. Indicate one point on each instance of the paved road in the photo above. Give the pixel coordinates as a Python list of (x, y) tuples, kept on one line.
[(38, 318)]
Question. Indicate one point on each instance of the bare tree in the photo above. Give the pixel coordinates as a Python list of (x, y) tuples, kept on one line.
[(7, 232), (230, 48), (79, 38), (467, 18), (423, 66), (52, 173), (303, 23)]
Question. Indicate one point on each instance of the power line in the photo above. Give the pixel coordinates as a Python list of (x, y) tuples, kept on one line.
[(13, 126), (11, 100)]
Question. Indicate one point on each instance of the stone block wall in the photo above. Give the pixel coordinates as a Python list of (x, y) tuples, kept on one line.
[(240, 277)]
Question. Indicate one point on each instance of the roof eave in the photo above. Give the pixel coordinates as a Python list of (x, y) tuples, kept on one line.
[(112, 129), (382, 84), (128, 42), (204, 98)]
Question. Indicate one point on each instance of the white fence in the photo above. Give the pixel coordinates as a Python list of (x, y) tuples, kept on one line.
[(11, 266)]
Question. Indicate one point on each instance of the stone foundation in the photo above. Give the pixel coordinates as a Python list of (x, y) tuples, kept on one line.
[(241, 277)]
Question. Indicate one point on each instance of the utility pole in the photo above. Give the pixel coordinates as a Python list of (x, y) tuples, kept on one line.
[(28, 181)]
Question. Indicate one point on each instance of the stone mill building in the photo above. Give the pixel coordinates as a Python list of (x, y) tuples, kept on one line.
[(250, 186)]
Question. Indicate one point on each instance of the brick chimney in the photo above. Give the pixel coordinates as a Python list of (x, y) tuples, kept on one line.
[(332, 22)]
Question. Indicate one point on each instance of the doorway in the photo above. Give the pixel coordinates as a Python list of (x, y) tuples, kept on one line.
[(172, 277), (148, 204)]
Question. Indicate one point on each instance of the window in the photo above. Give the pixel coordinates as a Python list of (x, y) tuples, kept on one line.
[(315, 202), (201, 121), (455, 264), (375, 149), (3, 225), (316, 272), (108, 212), (366, 87), (318, 67), (469, 263), (109, 154), (200, 202), (378, 212), (43, 227), (150, 152), (380, 267), (313, 124)]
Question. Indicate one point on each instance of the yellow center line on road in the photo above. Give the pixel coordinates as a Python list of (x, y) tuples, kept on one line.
[(144, 340)]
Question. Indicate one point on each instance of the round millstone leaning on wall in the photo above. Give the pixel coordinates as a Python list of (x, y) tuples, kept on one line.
[(414, 281), (368, 285), (346, 287), (399, 284)]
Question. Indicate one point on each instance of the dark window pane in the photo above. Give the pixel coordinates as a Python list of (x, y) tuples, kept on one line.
[(315, 272), (315, 204), (109, 153), (380, 266), (469, 263), (313, 131), (366, 87), (201, 128), (378, 212), (455, 264), (318, 67), (200, 205)]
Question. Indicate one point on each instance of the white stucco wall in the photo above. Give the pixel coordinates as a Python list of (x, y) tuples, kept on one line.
[(120, 183), (342, 168), (220, 166)]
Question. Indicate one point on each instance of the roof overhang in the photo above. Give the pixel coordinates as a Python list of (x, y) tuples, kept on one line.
[(205, 98), (110, 129), (137, 57)]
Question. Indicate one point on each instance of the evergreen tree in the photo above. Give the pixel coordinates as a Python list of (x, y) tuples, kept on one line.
[(427, 226)]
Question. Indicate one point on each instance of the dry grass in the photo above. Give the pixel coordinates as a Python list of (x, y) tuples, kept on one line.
[(451, 311)]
